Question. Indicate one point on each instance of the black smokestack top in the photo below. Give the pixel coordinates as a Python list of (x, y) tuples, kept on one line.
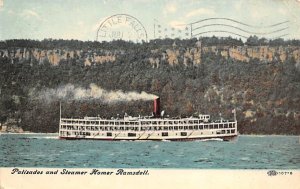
[(156, 107)]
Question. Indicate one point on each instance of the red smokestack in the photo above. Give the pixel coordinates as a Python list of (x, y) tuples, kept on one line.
[(156, 107)]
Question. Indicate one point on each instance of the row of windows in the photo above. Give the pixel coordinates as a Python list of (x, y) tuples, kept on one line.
[(100, 122), (155, 128), (134, 134), (173, 122)]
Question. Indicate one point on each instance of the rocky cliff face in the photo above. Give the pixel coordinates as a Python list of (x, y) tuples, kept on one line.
[(241, 53), (175, 55), (55, 56)]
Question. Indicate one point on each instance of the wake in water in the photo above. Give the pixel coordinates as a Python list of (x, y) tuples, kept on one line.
[(44, 137), (211, 139)]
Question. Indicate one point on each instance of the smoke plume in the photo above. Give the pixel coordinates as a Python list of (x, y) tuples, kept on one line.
[(93, 92)]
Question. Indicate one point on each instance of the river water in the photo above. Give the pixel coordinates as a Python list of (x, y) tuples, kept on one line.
[(247, 152)]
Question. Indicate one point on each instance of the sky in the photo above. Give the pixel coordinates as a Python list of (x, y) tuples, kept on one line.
[(81, 19)]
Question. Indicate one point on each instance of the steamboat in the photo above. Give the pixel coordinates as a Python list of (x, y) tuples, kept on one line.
[(155, 127)]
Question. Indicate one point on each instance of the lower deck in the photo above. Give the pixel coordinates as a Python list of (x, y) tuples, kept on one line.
[(149, 135), (224, 138)]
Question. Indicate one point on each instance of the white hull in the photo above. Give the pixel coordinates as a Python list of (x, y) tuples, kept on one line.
[(155, 136)]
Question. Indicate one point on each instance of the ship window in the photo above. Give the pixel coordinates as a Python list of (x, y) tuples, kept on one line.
[(164, 134), (201, 127), (196, 127), (155, 128), (108, 134), (195, 121), (110, 128), (170, 128), (131, 134), (165, 128), (190, 127), (218, 132), (211, 126), (228, 131), (185, 127), (232, 130), (221, 126), (226, 126), (176, 128), (215, 126), (205, 126), (180, 127), (223, 131), (183, 134), (122, 128), (159, 128)]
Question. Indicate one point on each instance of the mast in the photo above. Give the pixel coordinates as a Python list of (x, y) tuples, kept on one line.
[(59, 117), (234, 114), (59, 110)]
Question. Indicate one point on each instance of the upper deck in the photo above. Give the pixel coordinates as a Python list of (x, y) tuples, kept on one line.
[(138, 121)]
